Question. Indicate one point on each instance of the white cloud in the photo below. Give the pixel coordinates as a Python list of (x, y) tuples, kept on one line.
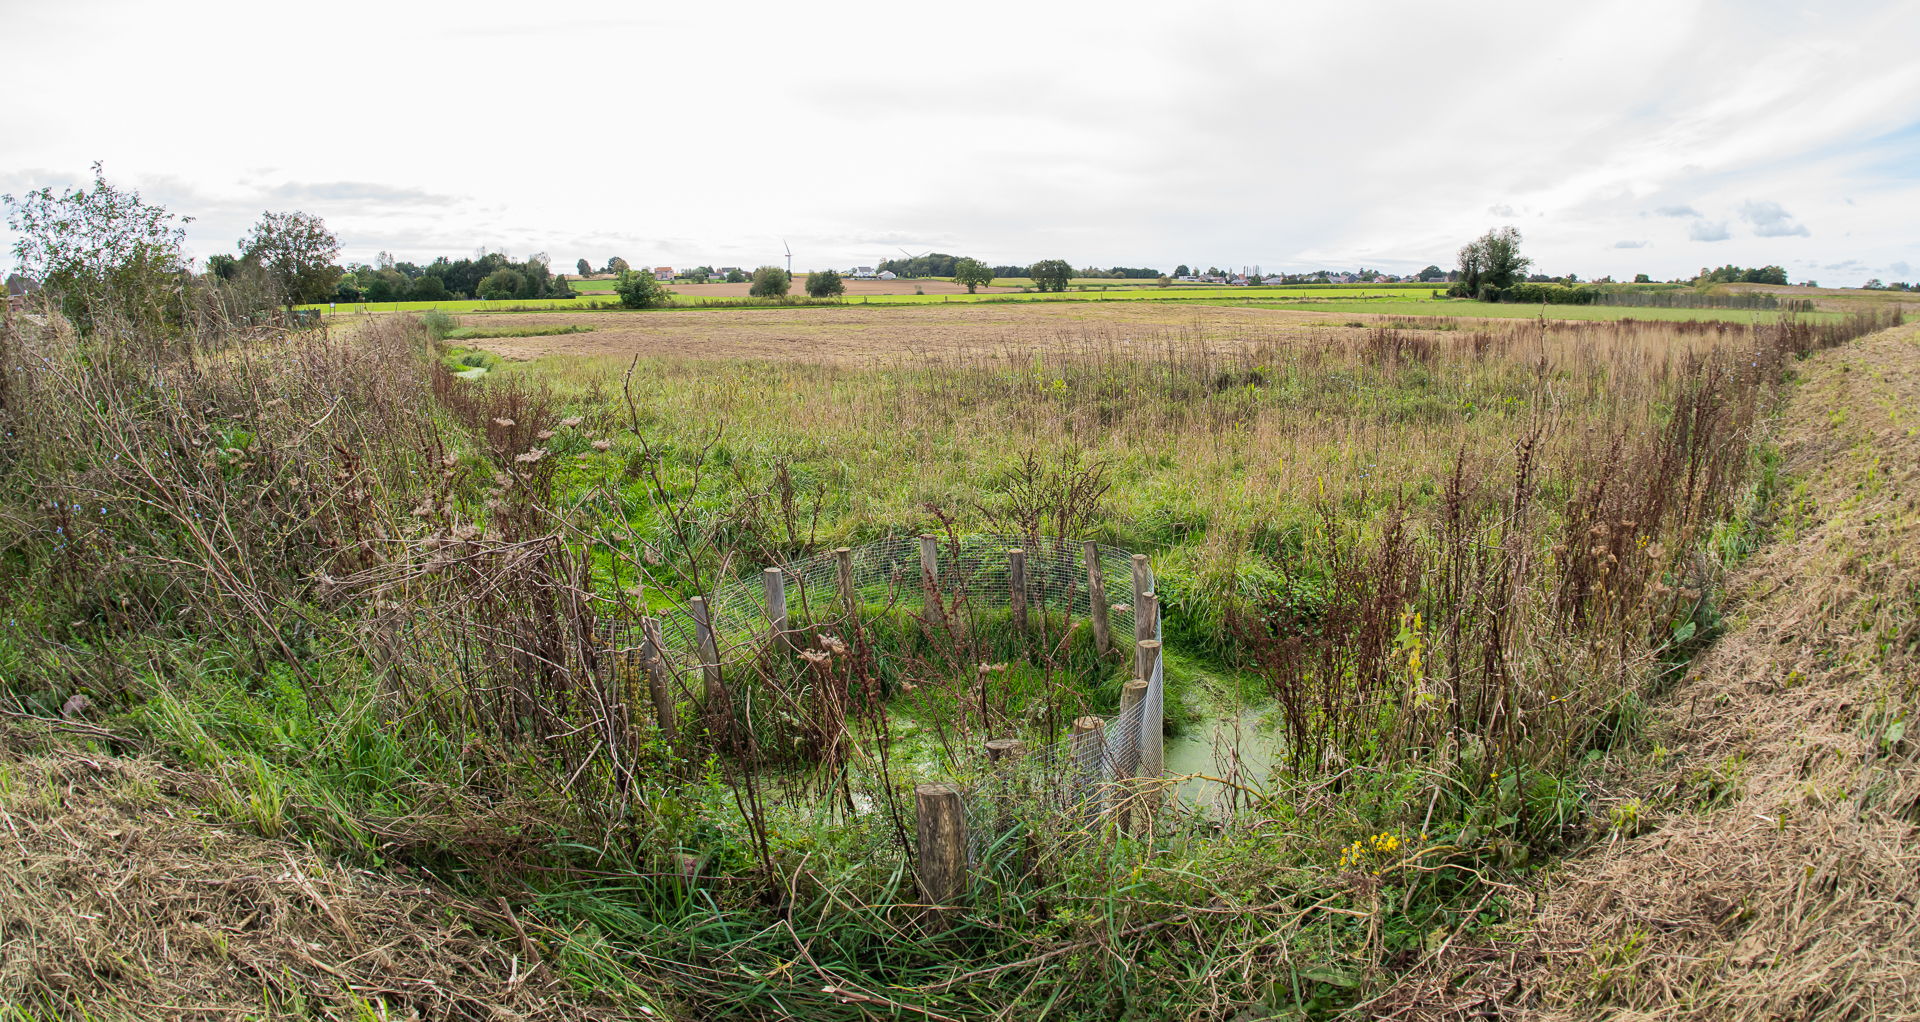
[(1110, 133), (1629, 244), (1771, 221), (1708, 230)]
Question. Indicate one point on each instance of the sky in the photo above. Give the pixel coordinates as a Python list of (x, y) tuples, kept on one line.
[(1619, 138)]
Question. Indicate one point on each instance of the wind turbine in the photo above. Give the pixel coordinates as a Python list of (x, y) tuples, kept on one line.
[(789, 248), (911, 257)]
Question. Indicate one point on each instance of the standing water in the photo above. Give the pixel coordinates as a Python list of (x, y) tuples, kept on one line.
[(1237, 747)]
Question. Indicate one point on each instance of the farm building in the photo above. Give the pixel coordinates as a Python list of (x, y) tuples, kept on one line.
[(663, 273), (885, 275), (861, 273)]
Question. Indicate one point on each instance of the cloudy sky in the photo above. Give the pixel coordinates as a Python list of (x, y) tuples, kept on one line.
[(1618, 137)]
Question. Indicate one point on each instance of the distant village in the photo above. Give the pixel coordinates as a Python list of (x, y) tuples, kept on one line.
[(1247, 277)]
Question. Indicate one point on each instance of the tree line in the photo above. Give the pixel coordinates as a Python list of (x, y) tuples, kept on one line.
[(493, 276)]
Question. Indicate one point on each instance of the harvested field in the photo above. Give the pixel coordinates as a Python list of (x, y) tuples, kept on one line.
[(856, 335)]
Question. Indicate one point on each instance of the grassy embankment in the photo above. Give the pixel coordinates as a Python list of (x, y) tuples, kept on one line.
[(362, 597)]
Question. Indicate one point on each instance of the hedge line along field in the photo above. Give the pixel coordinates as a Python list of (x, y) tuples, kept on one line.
[(361, 597), (687, 297), (1463, 309)]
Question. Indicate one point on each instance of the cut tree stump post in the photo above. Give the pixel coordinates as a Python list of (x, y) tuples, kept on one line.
[(940, 824), (1146, 654), (1088, 740), (709, 645), (655, 654), (774, 581), (844, 556), (1017, 582), (1143, 619), (1097, 600), (1126, 767), (1006, 753), (930, 580), (1003, 750), (1146, 660)]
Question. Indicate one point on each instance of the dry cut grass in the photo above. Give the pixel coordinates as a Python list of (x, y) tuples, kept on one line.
[(118, 902)]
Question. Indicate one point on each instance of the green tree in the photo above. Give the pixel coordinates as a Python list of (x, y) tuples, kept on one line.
[(429, 288), (1492, 262), (1182, 271), (501, 284), (973, 273), (297, 252), (825, 284), (617, 265), (770, 282), (736, 276), (1051, 274), (1641, 278), (387, 286), (640, 290), (1431, 273), (585, 268), (98, 252)]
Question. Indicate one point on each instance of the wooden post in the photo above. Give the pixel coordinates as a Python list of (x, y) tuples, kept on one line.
[(1126, 760), (709, 644), (1088, 740), (940, 823), (1146, 660), (774, 581), (655, 652), (1126, 766), (1143, 619), (1017, 580), (930, 580), (848, 595), (1097, 600), (1005, 750), (1006, 753)]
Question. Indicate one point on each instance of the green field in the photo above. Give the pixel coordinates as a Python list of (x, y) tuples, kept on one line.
[(1461, 309)]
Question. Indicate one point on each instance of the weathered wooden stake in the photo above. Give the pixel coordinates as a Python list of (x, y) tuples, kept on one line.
[(1153, 752), (655, 653), (844, 555), (930, 579), (1143, 618), (1004, 750), (774, 581), (709, 644), (1097, 600), (1126, 767), (1088, 740), (1146, 654), (940, 823), (1127, 760), (1017, 579)]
